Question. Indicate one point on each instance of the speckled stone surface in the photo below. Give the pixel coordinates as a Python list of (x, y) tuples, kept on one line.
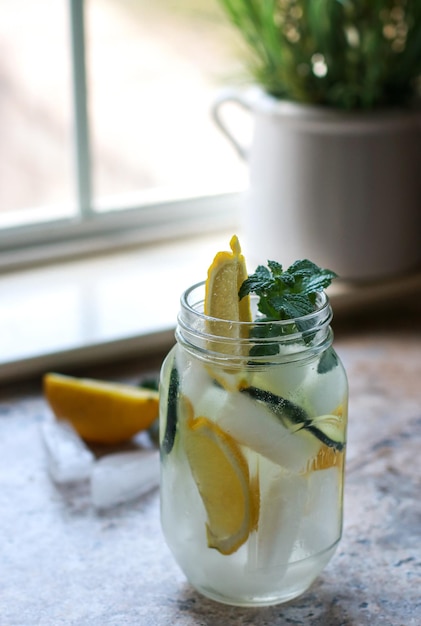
[(61, 563)]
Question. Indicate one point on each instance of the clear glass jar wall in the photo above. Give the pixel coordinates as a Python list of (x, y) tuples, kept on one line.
[(253, 433)]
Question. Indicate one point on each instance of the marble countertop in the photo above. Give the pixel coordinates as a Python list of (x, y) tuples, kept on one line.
[(62, 563)]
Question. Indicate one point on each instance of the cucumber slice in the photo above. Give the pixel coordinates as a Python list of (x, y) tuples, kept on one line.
[(328, 429), (290, 414), (172, 412)]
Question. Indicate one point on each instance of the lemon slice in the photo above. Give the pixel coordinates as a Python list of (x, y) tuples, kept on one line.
[(225, 277), (101, 412), (221, 473)]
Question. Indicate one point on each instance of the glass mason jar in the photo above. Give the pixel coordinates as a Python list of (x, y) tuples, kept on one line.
[(252, 432)]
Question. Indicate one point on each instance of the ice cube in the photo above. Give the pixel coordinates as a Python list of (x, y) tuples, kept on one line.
[(124, 476), (194, 378), (211, 402), (282, 379), (69, 459), (283, 497), (321, 524), (323, 393), (254, 425)]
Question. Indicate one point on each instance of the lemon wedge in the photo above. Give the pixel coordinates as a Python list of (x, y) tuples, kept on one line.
[(225, 277), (221, 473), (101, 412), (222, 305)]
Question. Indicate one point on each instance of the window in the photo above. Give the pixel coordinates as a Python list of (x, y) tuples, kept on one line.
[(127, 86)]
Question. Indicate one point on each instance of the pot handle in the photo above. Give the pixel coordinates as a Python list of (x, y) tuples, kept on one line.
[(242, 100)]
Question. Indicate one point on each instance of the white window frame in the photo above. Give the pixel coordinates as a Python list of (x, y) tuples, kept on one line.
[(96, 231)]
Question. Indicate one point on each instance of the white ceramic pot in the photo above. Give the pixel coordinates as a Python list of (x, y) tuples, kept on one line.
[(343, 189)]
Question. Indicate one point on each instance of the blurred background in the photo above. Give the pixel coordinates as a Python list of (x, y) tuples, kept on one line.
[(152, 71)]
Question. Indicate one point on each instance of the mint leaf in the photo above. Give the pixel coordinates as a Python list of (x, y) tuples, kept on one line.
[(327, 362), (291, 305), (258, 282)]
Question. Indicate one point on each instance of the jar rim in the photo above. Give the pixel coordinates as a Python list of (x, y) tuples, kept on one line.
[(225, 339)]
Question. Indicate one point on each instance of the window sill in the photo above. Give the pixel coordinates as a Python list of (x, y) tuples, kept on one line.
[(124, 304), (117, 305)]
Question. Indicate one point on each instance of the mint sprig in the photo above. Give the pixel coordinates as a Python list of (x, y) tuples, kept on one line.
[(285, 295)]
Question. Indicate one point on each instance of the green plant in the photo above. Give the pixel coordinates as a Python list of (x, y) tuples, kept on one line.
[(350, 54)]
